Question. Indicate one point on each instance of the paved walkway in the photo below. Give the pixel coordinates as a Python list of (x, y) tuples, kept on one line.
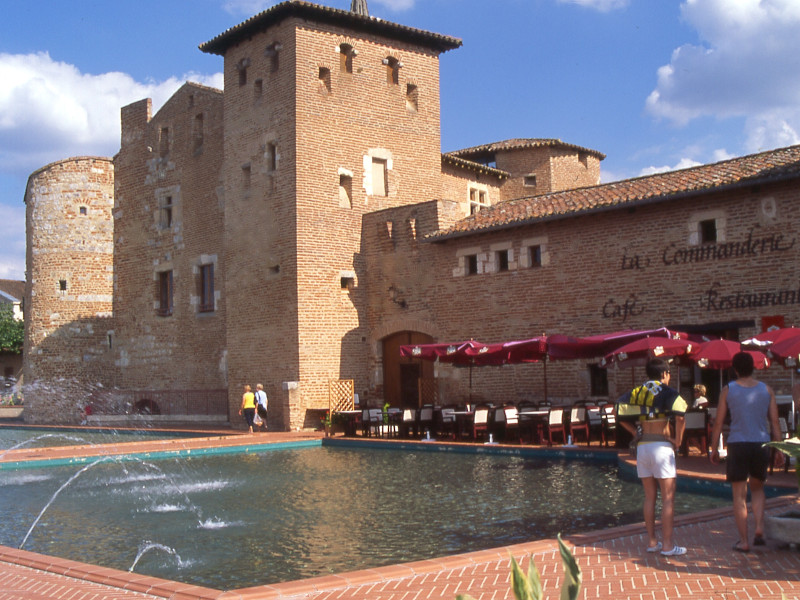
[(613, 562)]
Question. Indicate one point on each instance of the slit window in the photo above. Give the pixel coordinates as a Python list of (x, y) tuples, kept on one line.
[(535, 256), (197, 132), (273, 54), (62, 285), (471, 264), (272, 157), (258, 87), (346, 55), (246, 177), (325, 78), (392, 70), (164, 294), (206, 288), (345, 191), (502, 261), (412, 97)]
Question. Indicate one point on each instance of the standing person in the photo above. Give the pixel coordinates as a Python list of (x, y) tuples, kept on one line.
[(261, 403), (248, 408), (754, 415), (655, 450)]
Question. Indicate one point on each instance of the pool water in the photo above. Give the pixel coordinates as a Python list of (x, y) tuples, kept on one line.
[(240, 520), (38, 437)]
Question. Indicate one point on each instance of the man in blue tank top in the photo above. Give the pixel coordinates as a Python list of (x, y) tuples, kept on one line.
[(754, 420)]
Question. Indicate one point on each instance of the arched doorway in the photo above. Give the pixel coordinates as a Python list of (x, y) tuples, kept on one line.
[(401, 375)]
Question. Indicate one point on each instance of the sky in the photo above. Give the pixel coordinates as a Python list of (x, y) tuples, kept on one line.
[(653, 84)]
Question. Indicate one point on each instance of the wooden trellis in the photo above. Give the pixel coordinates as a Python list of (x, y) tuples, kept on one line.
[(341, 395), (428, 391)]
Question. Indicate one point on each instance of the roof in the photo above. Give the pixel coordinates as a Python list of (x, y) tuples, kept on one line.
[(13, 288), (473, 166), (766, 167), (333, 16), (520, 144)]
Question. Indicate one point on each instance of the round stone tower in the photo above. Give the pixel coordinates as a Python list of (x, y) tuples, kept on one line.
[(68, 295)]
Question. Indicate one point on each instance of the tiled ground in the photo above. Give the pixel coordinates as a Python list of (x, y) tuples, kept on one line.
[(613, 562)]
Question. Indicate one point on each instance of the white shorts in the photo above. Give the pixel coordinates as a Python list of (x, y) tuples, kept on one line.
[(655, 459)]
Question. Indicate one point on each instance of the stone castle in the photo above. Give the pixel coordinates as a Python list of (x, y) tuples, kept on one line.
[(298, 228)]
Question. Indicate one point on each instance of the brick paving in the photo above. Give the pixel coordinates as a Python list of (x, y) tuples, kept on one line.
[(613, 561)]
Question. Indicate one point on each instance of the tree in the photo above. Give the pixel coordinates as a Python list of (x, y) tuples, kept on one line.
[(12, 331)]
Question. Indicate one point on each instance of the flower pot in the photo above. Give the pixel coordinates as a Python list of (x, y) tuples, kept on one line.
[(784, 527)]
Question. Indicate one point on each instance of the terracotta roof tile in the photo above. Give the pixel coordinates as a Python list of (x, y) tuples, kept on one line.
[(774, 165), (520, 143)]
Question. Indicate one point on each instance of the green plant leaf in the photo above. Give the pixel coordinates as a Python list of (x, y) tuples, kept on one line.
[(572, 573), (464, 597), (525, 588)]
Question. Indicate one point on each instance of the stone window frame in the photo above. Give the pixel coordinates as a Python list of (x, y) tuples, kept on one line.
[(471, 261), (527, 245), (167, 214), (695, 225), (165, 291), (502, 257), (373, 157), (477, 197), (208, 294)]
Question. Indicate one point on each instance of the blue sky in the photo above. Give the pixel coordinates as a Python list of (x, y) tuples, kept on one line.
[(654, 84)]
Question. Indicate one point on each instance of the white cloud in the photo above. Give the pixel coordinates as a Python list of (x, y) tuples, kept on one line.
[(684, 163), (746, 68), (49, 110), (601, 5), (396, 5)]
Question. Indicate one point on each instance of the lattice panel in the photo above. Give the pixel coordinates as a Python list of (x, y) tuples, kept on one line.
[(341, 394), (428, 391)]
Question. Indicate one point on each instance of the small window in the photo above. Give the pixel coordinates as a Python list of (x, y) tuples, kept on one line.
[(258, 87), (62, 285), (502, 261), (325, 79), (246, 177), (348, 283), (598, 378), (529, 181), (206, 288), (165, 212), (471, 264), (163, 142), (346, 55), (478, 200), (197, 132), (241, 66), (412, 97), (345, 191), (271, 155), (82, 210), (164, 294), (380, 184), (708, 231), (273, 54), (535, 256), (392, 70)]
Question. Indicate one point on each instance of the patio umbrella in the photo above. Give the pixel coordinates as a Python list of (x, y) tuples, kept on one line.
[(640, 351), (787, 351), (773, 336), (718, 354), (564, 347)]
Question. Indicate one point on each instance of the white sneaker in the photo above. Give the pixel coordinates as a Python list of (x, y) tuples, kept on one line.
[(676, 551)]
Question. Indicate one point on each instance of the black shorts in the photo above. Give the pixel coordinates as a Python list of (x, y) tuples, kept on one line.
[(249, 414), (747, 459)]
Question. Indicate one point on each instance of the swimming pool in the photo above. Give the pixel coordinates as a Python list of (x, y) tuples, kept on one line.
[(23, 436), (238, 520)]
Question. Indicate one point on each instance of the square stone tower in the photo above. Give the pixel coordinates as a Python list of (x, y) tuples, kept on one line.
[(328, 115)]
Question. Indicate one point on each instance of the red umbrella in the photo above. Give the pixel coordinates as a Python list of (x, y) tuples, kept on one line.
[(447, 352), (566, 347), (640, 351), (773, 336), (718, 354), (787, 351)]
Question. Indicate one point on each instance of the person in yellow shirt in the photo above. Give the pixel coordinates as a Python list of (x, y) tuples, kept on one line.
[(248, 408)]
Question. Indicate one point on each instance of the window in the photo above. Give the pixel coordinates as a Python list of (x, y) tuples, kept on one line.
[(412, 97), (271, 156), (392, 70), (347, 283), (163, 142), (535, 256), (598, 378), (708, 231), (165, 213), (325, 79), (83, 210), (62, 285), (246, 177), (206, 288), (164, 294), (197, 132), (258, 87), (478, 200), (346, 55), (241, 66), (273, 54), (502, 261), (471, 264), (380, 183), (529, 181), (345, 190)]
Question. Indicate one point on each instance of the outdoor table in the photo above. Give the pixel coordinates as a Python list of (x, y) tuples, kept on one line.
[(538, 418), (350, 421), (463, 421)]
